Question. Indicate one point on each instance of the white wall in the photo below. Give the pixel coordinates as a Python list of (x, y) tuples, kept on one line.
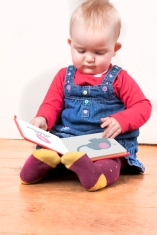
[(33, 47)]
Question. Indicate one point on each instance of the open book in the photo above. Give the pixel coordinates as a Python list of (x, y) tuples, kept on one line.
[(93, 145)]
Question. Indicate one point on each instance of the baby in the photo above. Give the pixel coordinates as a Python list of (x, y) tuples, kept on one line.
[(88, 97)]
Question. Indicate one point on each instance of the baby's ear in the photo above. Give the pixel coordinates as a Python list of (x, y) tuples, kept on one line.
[(69, 41), (117, 47)]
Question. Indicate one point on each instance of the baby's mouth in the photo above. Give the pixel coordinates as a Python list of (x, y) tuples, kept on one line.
[(89, 66)]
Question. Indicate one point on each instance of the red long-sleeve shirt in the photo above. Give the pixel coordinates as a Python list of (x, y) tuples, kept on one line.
[(138, 107)]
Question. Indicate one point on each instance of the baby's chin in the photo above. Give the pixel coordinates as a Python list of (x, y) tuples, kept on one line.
[(91, 71), (87, 71)]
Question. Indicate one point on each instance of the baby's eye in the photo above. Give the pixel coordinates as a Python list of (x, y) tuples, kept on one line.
[(81, 51), (99, 52)]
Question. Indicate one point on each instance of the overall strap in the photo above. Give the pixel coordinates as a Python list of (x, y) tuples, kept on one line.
[(69, 77), (112, 74)]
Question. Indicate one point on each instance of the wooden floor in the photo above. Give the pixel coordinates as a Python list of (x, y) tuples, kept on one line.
[(60, 206)]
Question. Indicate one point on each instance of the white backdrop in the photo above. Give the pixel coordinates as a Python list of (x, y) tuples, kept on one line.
[(33, 46)]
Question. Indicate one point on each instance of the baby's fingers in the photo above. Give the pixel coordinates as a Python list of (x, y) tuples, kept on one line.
[(106, 122)]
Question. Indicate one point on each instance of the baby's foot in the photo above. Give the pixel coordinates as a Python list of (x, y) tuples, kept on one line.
[(88, 173), (38, 164)]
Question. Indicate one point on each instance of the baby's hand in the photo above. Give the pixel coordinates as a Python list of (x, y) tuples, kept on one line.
[(39, 122), (112, 129)]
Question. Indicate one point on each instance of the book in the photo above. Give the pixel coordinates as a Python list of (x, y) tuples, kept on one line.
[(93, 145)]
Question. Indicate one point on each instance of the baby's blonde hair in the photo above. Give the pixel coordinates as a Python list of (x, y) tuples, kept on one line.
[(97, 14)]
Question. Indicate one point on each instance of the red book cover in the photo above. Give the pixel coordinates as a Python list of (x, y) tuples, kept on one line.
[(93, 145)]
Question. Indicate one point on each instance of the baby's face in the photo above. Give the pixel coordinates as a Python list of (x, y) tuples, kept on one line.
[(91, 50)]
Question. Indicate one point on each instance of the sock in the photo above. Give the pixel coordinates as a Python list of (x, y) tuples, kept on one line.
[(38, 165), (93, 176)]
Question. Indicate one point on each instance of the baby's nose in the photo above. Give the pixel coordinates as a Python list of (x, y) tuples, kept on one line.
[(90, 58)]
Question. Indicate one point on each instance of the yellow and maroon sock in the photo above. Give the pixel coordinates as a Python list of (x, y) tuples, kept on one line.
[(38, 164), (93, 176)]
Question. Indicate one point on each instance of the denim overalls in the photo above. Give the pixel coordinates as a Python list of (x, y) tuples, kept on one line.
[(85, 105)]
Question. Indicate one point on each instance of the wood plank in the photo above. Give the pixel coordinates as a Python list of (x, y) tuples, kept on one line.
[(61, 206)]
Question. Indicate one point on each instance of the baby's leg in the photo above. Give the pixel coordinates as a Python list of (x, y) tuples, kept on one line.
[(93, 176), (38, 164)]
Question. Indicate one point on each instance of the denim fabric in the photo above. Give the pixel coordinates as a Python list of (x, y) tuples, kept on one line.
[(85, 105)]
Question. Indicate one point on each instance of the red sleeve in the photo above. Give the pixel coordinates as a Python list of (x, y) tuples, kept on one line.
[(138, 107), (53, 102)]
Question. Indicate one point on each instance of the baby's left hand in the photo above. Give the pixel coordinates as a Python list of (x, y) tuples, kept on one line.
[(112, 129)]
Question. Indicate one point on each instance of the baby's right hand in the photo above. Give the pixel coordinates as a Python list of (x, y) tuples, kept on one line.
[(39, 122)]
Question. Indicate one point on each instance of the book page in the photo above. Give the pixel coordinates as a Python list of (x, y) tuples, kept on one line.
[(40, 137), (94, 145)]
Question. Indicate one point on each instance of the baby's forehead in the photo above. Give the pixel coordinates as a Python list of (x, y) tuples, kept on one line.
[(92, 40)]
